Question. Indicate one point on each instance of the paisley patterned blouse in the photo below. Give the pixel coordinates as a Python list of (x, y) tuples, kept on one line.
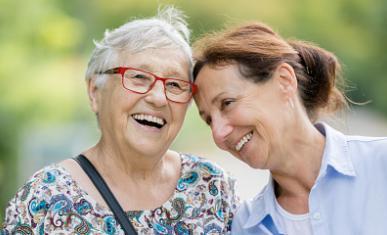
[(51, 202)]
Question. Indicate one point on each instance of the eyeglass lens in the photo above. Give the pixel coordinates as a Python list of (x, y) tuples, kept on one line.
[(175, 90)]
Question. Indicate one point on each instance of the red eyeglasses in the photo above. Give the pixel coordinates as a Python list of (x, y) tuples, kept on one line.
[(141, 82)]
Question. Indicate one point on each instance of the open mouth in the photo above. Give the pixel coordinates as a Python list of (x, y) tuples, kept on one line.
[(243, 141), (149, 120)]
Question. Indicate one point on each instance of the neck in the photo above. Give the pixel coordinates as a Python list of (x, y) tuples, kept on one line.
[(116, 163), (300, 161)]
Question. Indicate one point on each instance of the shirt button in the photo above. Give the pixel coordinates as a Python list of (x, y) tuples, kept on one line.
[(317, 216)]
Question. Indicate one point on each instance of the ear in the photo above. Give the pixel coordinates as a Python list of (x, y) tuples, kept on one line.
[(93, 93), (287, 80)]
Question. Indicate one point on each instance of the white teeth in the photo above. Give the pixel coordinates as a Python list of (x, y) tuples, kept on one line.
[(243, 141), (149, 118)]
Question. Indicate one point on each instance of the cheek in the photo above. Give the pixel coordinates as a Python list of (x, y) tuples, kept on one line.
[(246, 115), (179, 111), (221, 145)]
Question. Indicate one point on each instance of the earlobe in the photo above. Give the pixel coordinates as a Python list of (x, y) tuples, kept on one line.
[(92, 91)]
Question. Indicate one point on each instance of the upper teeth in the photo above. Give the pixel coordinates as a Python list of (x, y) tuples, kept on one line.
[(243, 141), (149, 118)]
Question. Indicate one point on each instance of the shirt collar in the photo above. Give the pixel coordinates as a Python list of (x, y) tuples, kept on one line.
[(336, 154)]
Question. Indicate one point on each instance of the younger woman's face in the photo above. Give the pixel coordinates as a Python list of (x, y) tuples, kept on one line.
[(245, 118)]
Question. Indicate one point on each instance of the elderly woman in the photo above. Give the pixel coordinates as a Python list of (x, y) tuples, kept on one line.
[(139, 86), (262, 96)]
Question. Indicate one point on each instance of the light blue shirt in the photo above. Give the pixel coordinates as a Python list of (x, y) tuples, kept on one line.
[(349, 195)]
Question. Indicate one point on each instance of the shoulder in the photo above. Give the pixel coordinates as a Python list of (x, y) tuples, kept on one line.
[(32, 201), (366, 147), (367, 142), (355, 149), (210, 189), (353, 143), (201, 164), (368, 153), (208, 172), (202, 169), (44, 182), (51, 202), (364, 156)]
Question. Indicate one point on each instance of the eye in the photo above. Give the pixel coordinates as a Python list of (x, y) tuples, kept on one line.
[(177, 87), (140, 76), (225, 103), (137, 75), (173, 85)]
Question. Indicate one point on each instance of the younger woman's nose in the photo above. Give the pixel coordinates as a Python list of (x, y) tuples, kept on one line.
[(220, 128)]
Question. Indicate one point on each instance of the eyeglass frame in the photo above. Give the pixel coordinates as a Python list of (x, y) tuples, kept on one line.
[(122, 70)]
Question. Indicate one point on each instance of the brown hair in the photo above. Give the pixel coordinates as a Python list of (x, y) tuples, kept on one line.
[(258, 50)]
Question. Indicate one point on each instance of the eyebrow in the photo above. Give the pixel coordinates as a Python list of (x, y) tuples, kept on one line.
[(171, 72)]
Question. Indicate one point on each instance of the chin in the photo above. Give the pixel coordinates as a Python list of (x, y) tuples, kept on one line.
[(254, 162), (152, 152), (149, 148), (256, 166)]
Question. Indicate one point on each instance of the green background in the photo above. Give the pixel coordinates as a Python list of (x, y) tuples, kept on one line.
[(45, 46)]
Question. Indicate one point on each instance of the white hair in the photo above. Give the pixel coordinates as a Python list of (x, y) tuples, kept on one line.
[(168, 29)]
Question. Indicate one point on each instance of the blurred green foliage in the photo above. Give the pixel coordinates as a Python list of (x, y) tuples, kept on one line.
[(45, 45)]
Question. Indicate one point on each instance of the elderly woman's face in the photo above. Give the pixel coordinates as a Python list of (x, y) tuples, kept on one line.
[(144, 123), (244, 116)]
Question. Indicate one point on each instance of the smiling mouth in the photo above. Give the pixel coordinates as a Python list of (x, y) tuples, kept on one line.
[(243, 141), (149, 120)]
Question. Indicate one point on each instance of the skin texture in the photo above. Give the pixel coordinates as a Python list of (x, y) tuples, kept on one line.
[(283, 140), (131, 151)]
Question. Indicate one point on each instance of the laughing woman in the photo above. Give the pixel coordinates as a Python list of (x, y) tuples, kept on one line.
[(262, 96), (139, 86)]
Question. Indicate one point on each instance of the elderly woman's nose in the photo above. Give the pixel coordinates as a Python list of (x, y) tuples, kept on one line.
[(157, 94)]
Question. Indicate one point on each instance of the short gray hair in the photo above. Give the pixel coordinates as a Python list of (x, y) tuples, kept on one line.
[(168, 29)]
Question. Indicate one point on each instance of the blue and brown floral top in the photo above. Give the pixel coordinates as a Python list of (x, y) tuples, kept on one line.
[(51, 202)]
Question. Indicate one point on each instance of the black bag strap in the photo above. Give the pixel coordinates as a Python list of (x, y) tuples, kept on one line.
[(107, 195)]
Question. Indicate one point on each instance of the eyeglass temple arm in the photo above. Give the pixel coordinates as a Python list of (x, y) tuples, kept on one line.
[(110, 71)]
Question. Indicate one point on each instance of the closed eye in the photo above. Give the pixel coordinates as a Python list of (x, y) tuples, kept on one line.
[(137, 75), (225, 103), (141, 76), (175, 85)]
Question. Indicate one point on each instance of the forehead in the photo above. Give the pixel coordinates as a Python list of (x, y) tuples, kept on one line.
[(215, 79), (163, 62), (216, 82)]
